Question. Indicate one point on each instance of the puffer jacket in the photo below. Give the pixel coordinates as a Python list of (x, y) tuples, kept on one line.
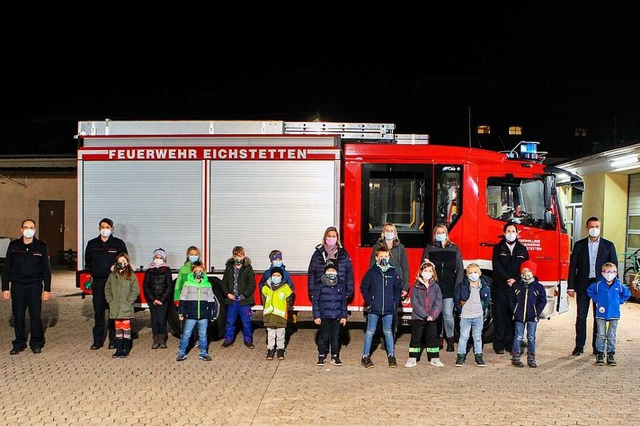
[(330, 301), (449, 266), (381, 290), (527, 301), (157, 284), (246, 282), (197, 300), (420, 294), (316, 270), (121, 293), (397, 257)]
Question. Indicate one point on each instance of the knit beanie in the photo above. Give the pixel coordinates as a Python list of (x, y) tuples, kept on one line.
[(160, 252), (529, 265), (278, 270)]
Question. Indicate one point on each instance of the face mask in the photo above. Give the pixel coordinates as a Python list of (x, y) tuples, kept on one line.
[(276, 280), (383, 261), (105, 232), (527, 276), (474, 276), (332, 276), (594, 232), (441, 237), (238, 260), (609, 276), (389, 235), (28, 233), (198, 275), (158, 261), (193, 258), (331, 241), (510, 237), (121, 266), (427, 275), (277, 263)]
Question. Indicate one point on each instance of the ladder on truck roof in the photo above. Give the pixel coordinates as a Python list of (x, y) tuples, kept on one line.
[(347, 131)]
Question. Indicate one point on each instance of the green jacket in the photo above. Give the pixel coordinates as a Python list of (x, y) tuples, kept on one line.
[(184, 271), (120, 294)]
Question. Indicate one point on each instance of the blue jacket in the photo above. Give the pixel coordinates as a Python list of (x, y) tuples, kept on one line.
[(608, 298), (330, 301), (462, 293), (381, 290), (286, 279), (527, 302), (316, 270)]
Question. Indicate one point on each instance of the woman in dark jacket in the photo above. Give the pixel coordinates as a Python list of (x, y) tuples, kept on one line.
[(330, 248), (157, 287), (447, 258)]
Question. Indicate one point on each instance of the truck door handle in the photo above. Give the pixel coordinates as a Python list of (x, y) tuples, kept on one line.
[(487, 244)]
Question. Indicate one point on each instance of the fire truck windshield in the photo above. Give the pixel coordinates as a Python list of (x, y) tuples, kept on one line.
[(516, 200)]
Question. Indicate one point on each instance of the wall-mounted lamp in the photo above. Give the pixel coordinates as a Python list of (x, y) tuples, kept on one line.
[(625, 161)]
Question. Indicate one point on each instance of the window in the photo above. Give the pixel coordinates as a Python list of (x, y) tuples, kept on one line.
[(484, 129), (517, 200), (515, 130), (581, 132)]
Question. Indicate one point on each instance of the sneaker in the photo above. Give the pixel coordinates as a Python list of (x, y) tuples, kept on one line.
[(226, 344), (411, 362), (366, 362), (321, 360), (335, 360), (460, 360), (270, 354), (480, 361), (611, 360), (181, 357), (599, 359), (280, 353), (436, 362), (392, 361), (204, 357)]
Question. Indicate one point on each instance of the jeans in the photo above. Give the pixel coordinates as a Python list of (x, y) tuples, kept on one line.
[(519, 335), (187, 329), (447, 316), (608, 333), (470, 326), (244, 312), (387, 330)]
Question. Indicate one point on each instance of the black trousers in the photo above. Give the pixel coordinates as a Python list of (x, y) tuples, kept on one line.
[(424, 335), (329, 336), (502, 323), (583, 301), (158, 314), (23, 297), (100, 307)]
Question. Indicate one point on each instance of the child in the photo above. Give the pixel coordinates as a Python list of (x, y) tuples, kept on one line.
[(157, 286), (608, 294), (381, 288), (239, 285), (276, 298), (275, 259), (329, 306), (426, 300), (193, 255), (197, 306), (527, 300), (121, 291), (472, 299)]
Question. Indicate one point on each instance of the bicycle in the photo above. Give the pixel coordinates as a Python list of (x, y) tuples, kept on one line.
[(634, 269)]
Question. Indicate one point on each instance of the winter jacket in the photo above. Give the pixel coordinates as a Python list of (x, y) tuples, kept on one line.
[(276, 302), (316, 270), (381, 290), (608, 298), (246, 282), (99, 256), (330, 301), (527, 301), (463, 291), (197, 300), (183, 273), (157, 284), (449, 267), (286, 278), (397, 257), (507, 265), (27, 264), (121, 293), (420, 295)]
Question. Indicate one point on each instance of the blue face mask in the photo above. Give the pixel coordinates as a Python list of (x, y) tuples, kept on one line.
[(441, 237), (277, 263), (193, 258), (276, 280)]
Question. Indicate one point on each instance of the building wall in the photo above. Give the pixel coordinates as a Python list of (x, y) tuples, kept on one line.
[(19, 200)]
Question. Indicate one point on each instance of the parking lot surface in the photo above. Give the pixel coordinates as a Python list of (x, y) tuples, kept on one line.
[(68, 384)]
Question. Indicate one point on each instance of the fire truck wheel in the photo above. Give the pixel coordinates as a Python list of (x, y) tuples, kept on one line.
[(218, 327), (173, 323)]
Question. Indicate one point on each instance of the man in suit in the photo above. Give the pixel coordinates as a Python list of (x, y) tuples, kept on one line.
[(587, 258)]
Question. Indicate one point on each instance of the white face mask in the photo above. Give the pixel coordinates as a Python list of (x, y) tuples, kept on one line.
[(105, 232), (527, 276), (609, 276), (441, 237), (594, 232), (474, 276), (389, 235), (510, 237), (28, 233), (158, 261), (426, 275)]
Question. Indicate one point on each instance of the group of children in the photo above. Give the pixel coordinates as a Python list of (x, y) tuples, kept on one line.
[(381, 288)]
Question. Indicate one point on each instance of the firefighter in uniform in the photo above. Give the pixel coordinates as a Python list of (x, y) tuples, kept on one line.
[(99, 257), (28, 270)]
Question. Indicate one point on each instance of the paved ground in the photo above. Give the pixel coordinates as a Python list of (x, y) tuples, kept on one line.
[(68, 384)]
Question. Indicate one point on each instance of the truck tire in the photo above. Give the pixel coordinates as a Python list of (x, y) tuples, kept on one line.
[(218, 327)]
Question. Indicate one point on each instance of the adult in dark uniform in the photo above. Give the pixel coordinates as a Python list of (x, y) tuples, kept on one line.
[(587, 258), (508, 255), (27, 272), (99, 256)]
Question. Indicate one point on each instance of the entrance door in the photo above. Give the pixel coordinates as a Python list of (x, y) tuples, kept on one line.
[(51, 226)]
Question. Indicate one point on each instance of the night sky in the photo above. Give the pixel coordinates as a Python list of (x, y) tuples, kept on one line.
[(544, 68)]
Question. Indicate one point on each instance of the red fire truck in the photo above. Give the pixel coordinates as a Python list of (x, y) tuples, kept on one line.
[(278, 185)]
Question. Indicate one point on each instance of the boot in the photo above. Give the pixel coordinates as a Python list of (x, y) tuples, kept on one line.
[(479, 360), (611, 359), (118, 346), (450, 344), (531, 361), (599, 358), (460, 360), (442, 343), (515, 360), (126, 347), (156, 341), (162, 338)]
